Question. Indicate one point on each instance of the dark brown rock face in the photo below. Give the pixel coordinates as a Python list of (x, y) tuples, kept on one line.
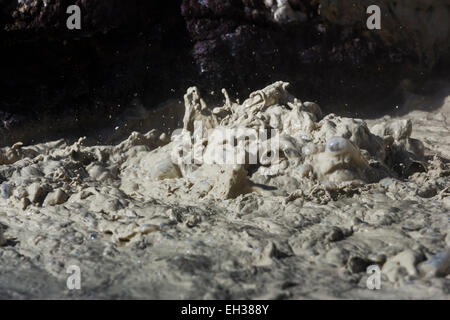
[(124, 50), (323, 48), (154, 50)]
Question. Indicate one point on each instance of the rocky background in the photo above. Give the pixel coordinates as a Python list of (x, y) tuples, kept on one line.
[(56, 81)]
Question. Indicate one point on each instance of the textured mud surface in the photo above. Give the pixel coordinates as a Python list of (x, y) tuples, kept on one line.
[(141, 222)]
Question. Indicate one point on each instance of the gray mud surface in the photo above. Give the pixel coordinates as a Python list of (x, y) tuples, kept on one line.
[(140, 226)]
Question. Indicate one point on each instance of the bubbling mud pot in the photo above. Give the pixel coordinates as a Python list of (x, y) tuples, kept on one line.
[(306, 203)]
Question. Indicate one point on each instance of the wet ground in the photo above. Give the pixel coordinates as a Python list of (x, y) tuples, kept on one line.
[(136, 235)]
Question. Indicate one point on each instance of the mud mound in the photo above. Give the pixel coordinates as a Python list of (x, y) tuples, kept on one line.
[(269, 199)]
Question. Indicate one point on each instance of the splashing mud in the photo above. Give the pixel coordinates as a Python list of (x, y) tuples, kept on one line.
[(264, 199)]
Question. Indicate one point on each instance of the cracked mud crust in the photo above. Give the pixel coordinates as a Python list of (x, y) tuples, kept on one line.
[(140, 223)]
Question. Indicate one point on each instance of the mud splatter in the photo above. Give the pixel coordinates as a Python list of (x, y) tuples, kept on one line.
[(343, 194)]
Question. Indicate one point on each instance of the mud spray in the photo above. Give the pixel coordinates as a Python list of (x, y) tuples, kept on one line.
[(141, 221)]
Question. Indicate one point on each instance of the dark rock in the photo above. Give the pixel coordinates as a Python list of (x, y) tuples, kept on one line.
[(330, 57), (74, 80), (57, 80)]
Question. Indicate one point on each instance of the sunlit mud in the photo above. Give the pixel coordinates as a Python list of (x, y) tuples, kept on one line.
[(301, 215)]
